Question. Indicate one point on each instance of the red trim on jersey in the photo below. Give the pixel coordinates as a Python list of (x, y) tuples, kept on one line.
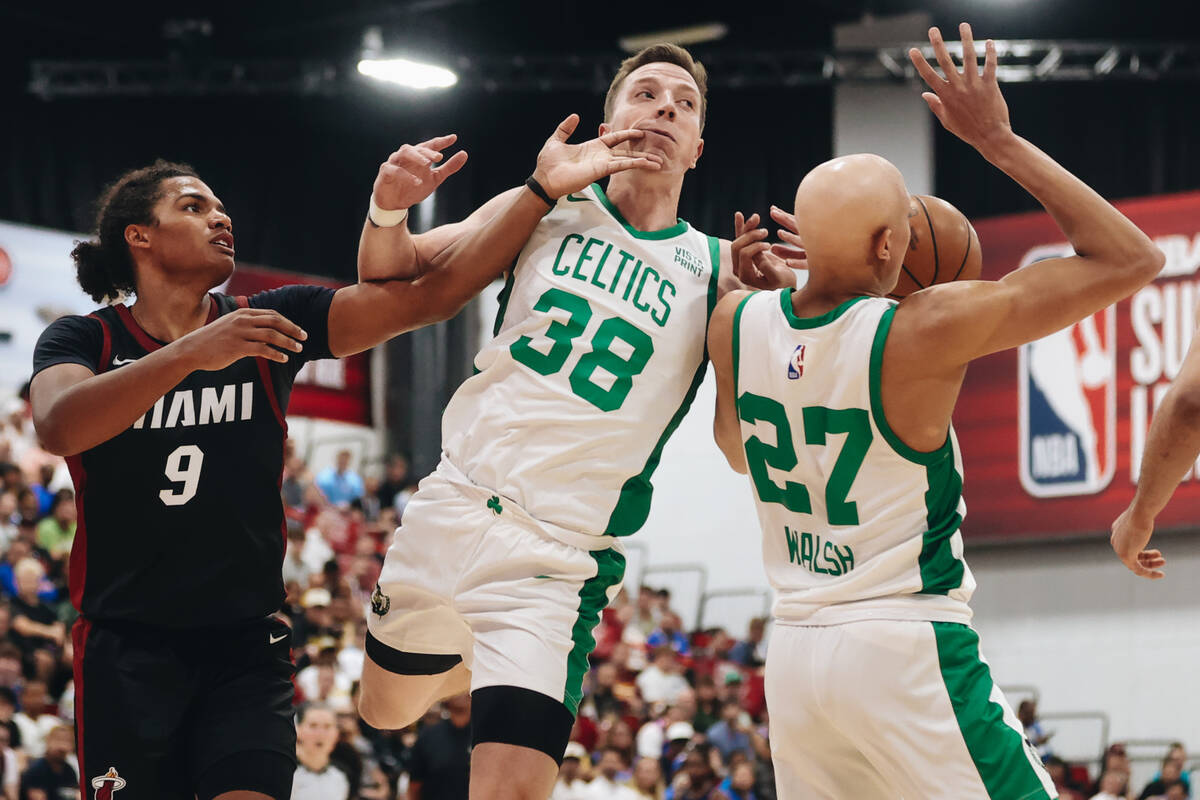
[(78, 559), (242, 301), (146, 340), (79, 637), (106, 347)]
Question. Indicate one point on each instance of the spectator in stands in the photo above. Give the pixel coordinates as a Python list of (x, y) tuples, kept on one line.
[(611, 774), (295, 481), (569, 785), (316, 777), (662, 681), (341, 484), (1177, 753), (34, 720), (41, 488), (56, 532), (730, 735), (441, 759), (1057, 768), (669, 633), (395, 478), (18, 550), (752, 652), (679, 736), (739, 784), (1112, 785), (11, 671), (1170, 773), (646, 616), (1035, 733), (27, 506), (10, 769), (50, 775), (696, 780), (708, 707), (34, 623), (8, 709), (647, 781)]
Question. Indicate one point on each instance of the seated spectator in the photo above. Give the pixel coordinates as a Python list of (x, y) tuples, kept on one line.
[(1177, 753), (34, 622), (8, 709), (609, 781), (395, 478), (1112, 785), (340, 483), (41, 488), (729, 735), (316, 778), (1035, 732), (8, 518), (708, 708), (679, 736), (662, 681), (569, 785), (51, 775), (56, 532), (1057, 768), (752, 652), (441, 760), (294, 567), (295, 480), (647, 781), (739, 784), (35, 720), (1170, 773), (696, 780), (668, 633)]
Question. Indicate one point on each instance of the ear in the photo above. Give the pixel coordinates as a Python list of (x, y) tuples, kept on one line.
[(604, 128), (137, 235), (699, 152), (881, 246)]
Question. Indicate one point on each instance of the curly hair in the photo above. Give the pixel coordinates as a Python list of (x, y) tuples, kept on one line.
[(104, 266)]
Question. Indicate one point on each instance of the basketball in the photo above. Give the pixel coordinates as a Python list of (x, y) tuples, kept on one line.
[(943, 247)]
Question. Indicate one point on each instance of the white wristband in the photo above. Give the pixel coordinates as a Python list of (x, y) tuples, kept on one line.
[(384, 217)]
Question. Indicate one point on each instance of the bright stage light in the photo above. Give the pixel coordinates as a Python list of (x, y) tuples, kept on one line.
[(412, 74)]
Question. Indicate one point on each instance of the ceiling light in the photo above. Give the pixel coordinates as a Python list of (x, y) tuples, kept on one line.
[(412, 74), (692, 34)]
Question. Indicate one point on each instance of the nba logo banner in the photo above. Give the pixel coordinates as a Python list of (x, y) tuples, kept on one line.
[(1067, 390), (796, 365)]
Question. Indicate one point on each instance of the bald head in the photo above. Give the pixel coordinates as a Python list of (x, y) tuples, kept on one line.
[(852, 213)]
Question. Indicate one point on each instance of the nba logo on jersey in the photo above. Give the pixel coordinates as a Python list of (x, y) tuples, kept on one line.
[(1067, 386), (796, 364)]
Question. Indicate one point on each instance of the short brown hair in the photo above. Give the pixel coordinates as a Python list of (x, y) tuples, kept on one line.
[(663, 53)]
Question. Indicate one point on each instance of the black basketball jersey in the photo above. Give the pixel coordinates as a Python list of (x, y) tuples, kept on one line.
[(180, 516)]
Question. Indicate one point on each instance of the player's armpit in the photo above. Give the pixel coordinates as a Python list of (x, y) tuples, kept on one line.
[(726, 427)]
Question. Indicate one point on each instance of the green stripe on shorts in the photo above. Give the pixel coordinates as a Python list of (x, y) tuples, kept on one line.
[(998, 751), (593, 597)]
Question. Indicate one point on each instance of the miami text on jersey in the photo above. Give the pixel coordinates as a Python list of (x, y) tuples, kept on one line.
[(229, 403)]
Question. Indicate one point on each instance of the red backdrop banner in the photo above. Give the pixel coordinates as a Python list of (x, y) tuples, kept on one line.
[(335, 389), (1052, 433)]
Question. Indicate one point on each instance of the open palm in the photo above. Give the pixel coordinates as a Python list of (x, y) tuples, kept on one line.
[(563, 168)]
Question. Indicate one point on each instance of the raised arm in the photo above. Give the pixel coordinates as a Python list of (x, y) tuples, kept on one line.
[(1171, 450), (727, 429), (973, 318), (453, 263)]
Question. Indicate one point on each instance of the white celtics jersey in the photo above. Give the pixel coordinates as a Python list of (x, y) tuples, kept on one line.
[(856, 524), (598, 350)]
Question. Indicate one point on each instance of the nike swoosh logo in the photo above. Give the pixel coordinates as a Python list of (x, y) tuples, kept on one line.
[(575, 199), (119, 361), (275, 639)]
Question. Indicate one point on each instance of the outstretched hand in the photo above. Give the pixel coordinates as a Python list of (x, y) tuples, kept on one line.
[(967, 103), (760, 264), (564, 168), (412, 173), (1130, 535)]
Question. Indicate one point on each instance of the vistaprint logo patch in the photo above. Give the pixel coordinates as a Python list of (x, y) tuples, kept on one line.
[(690, 261)]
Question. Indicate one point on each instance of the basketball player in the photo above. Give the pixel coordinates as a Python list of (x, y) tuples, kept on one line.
[(838, 402), (511, 549), (172, 413)]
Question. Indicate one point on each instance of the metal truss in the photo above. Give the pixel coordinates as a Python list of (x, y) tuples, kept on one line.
[(1019, 61)]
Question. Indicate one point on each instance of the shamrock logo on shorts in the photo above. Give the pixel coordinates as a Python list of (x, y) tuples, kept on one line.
[(494, 505)]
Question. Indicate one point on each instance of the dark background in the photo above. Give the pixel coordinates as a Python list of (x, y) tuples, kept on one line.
[(295, 171)]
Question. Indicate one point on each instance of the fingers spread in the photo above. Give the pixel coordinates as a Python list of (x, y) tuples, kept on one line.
[(450, 167), (989, 61), (927, 72), (970, 62), (440, 142), (944, 59), (614, 138)]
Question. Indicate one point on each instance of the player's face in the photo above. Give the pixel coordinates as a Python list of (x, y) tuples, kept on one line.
[(663, 100), (194, 235)]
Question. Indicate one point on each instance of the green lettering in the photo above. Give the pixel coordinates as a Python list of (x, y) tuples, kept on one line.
[(793, 545), (646, 273), (625, 257), (666, 307), (817, 554), (834, 567), (599, 267), (584, 257), (846, 559), (632, 279), (806, 549), (561, 248)]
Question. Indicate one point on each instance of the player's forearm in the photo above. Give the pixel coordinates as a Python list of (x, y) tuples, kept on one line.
[(387, 253), (1096, 230), (1172, 446), (98, 408)]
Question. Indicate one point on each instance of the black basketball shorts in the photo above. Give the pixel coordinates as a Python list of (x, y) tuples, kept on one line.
[(158, 710)]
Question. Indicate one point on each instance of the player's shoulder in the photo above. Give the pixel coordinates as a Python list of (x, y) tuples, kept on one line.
[(79, 326)]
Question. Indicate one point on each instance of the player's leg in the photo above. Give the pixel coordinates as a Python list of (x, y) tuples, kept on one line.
[(532, 603), (812, 758), (932, 720), (416, 640), (242, 743), (131, 703)]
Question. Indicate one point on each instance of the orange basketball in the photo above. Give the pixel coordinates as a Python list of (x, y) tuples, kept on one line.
[(943, 247)]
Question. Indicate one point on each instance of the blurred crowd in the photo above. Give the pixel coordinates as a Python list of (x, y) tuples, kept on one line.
[(668, 714)]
